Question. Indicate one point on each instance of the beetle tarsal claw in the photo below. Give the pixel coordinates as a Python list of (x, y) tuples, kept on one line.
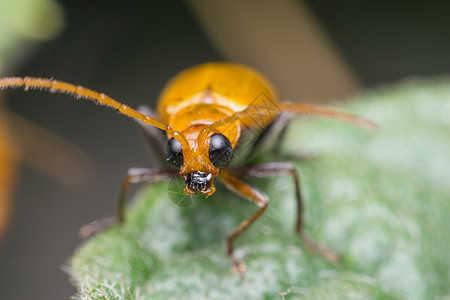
[(238, 267)]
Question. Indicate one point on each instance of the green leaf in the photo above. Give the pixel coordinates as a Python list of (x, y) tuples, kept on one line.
[(22, 21), (382, 200)]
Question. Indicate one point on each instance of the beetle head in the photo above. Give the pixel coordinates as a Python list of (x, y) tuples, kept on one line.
[(199, 163)]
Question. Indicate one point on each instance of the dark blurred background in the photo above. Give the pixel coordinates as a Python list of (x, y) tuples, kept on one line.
[(129, 51)]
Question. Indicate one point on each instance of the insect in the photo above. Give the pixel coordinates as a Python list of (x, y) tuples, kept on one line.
[(202, 115)]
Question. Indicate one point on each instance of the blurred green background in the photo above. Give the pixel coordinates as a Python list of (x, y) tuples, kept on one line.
[(129, 51)]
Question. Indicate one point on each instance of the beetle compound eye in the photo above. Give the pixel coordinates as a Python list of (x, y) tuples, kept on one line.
[(220, 150), (174, 152)]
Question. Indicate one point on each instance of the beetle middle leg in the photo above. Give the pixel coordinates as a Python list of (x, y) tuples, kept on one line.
[(133, 175), (277, 168)]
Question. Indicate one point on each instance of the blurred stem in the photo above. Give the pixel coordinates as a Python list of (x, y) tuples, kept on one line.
[(51, 154), (8, 172)]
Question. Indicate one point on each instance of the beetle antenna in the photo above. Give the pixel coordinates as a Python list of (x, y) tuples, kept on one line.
[(262, 115), (311, 109), (77, 91)]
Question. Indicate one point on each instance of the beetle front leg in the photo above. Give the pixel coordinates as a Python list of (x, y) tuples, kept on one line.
[(249, 193), (133, 175), (277, 168)]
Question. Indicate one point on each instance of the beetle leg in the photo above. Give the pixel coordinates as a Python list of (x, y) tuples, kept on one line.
[(277, 168), (272, 136), (133, 175), (249, 193)]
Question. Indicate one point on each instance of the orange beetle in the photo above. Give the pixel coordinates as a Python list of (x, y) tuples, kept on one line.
[(204, 112)]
